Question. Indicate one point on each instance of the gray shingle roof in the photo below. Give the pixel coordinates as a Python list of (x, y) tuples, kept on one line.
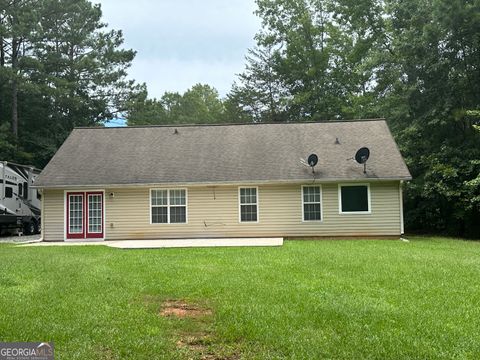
[(222, 154)]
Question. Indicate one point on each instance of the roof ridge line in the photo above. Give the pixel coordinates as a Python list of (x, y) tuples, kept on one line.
[(232, 124)]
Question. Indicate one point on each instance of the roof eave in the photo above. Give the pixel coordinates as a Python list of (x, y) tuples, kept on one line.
[(217, 183)]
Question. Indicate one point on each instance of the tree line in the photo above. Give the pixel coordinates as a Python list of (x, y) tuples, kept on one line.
[(416, 63), (59, 68)]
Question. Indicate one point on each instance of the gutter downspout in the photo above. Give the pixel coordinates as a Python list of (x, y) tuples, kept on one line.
[(42, 215), (400, 192)]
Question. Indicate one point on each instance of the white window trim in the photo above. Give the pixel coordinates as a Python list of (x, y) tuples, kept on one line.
[(240, 205), (400, 192), (84, 214), (321, 204), (168, 206), (88, 222), (354, 212)]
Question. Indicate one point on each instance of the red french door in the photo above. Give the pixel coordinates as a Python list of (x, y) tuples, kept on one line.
[(75, 215), (85, 215)]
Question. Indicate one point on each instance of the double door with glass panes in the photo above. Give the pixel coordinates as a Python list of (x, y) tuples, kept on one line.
[(84, 215)]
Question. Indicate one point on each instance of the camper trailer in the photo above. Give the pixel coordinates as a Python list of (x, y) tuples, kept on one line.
[(19, 204)]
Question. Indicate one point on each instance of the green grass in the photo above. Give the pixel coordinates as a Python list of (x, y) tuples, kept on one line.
[(373, 299)]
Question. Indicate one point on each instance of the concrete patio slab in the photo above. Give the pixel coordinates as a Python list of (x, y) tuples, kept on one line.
[(171, 243), (65, 243)]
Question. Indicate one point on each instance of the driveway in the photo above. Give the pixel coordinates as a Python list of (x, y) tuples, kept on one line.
[(19, 239)]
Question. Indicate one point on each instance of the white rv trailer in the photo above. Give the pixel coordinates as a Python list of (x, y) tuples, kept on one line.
[(20, 205)]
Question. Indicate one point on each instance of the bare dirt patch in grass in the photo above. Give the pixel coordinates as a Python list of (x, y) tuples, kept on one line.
[(197, 343), (202, 346), (182, 309), (104, 353), (195, 337), (192, 331)]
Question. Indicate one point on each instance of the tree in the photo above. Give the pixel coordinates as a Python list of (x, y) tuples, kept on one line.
[(200, 104), (67, 70), (83, 63), (144, 111), (429, 80), (261, 94), (18, 23), (311, 60)]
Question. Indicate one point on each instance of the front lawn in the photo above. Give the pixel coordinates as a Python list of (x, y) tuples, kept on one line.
[(306, 300)]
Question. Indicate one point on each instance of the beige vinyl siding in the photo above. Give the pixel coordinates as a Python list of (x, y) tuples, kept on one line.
[(213, 212), (53, 215)]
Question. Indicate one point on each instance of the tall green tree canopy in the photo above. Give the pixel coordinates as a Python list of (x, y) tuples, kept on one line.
[(311, 61), (61, 68), (429, 88), (200, 104)]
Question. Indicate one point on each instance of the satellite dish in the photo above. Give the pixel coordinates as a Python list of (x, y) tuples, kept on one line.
[(362, 155), (312, 160)]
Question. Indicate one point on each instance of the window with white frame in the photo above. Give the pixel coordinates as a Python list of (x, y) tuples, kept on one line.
[(169, 206), (312, 207), (75, 213), (248, 200), (95, 213), (354, 198)]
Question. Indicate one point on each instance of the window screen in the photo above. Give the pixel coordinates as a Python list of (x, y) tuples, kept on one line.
[(159, 206), (8, 192), (178, 209), (248, 205), (311, 203), (354, 198), (75, 213), (169, 206)]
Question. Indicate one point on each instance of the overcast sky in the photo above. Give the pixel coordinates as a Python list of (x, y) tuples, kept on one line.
[(183, 42)]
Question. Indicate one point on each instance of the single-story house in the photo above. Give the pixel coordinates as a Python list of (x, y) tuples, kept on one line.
[(221, 181)]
